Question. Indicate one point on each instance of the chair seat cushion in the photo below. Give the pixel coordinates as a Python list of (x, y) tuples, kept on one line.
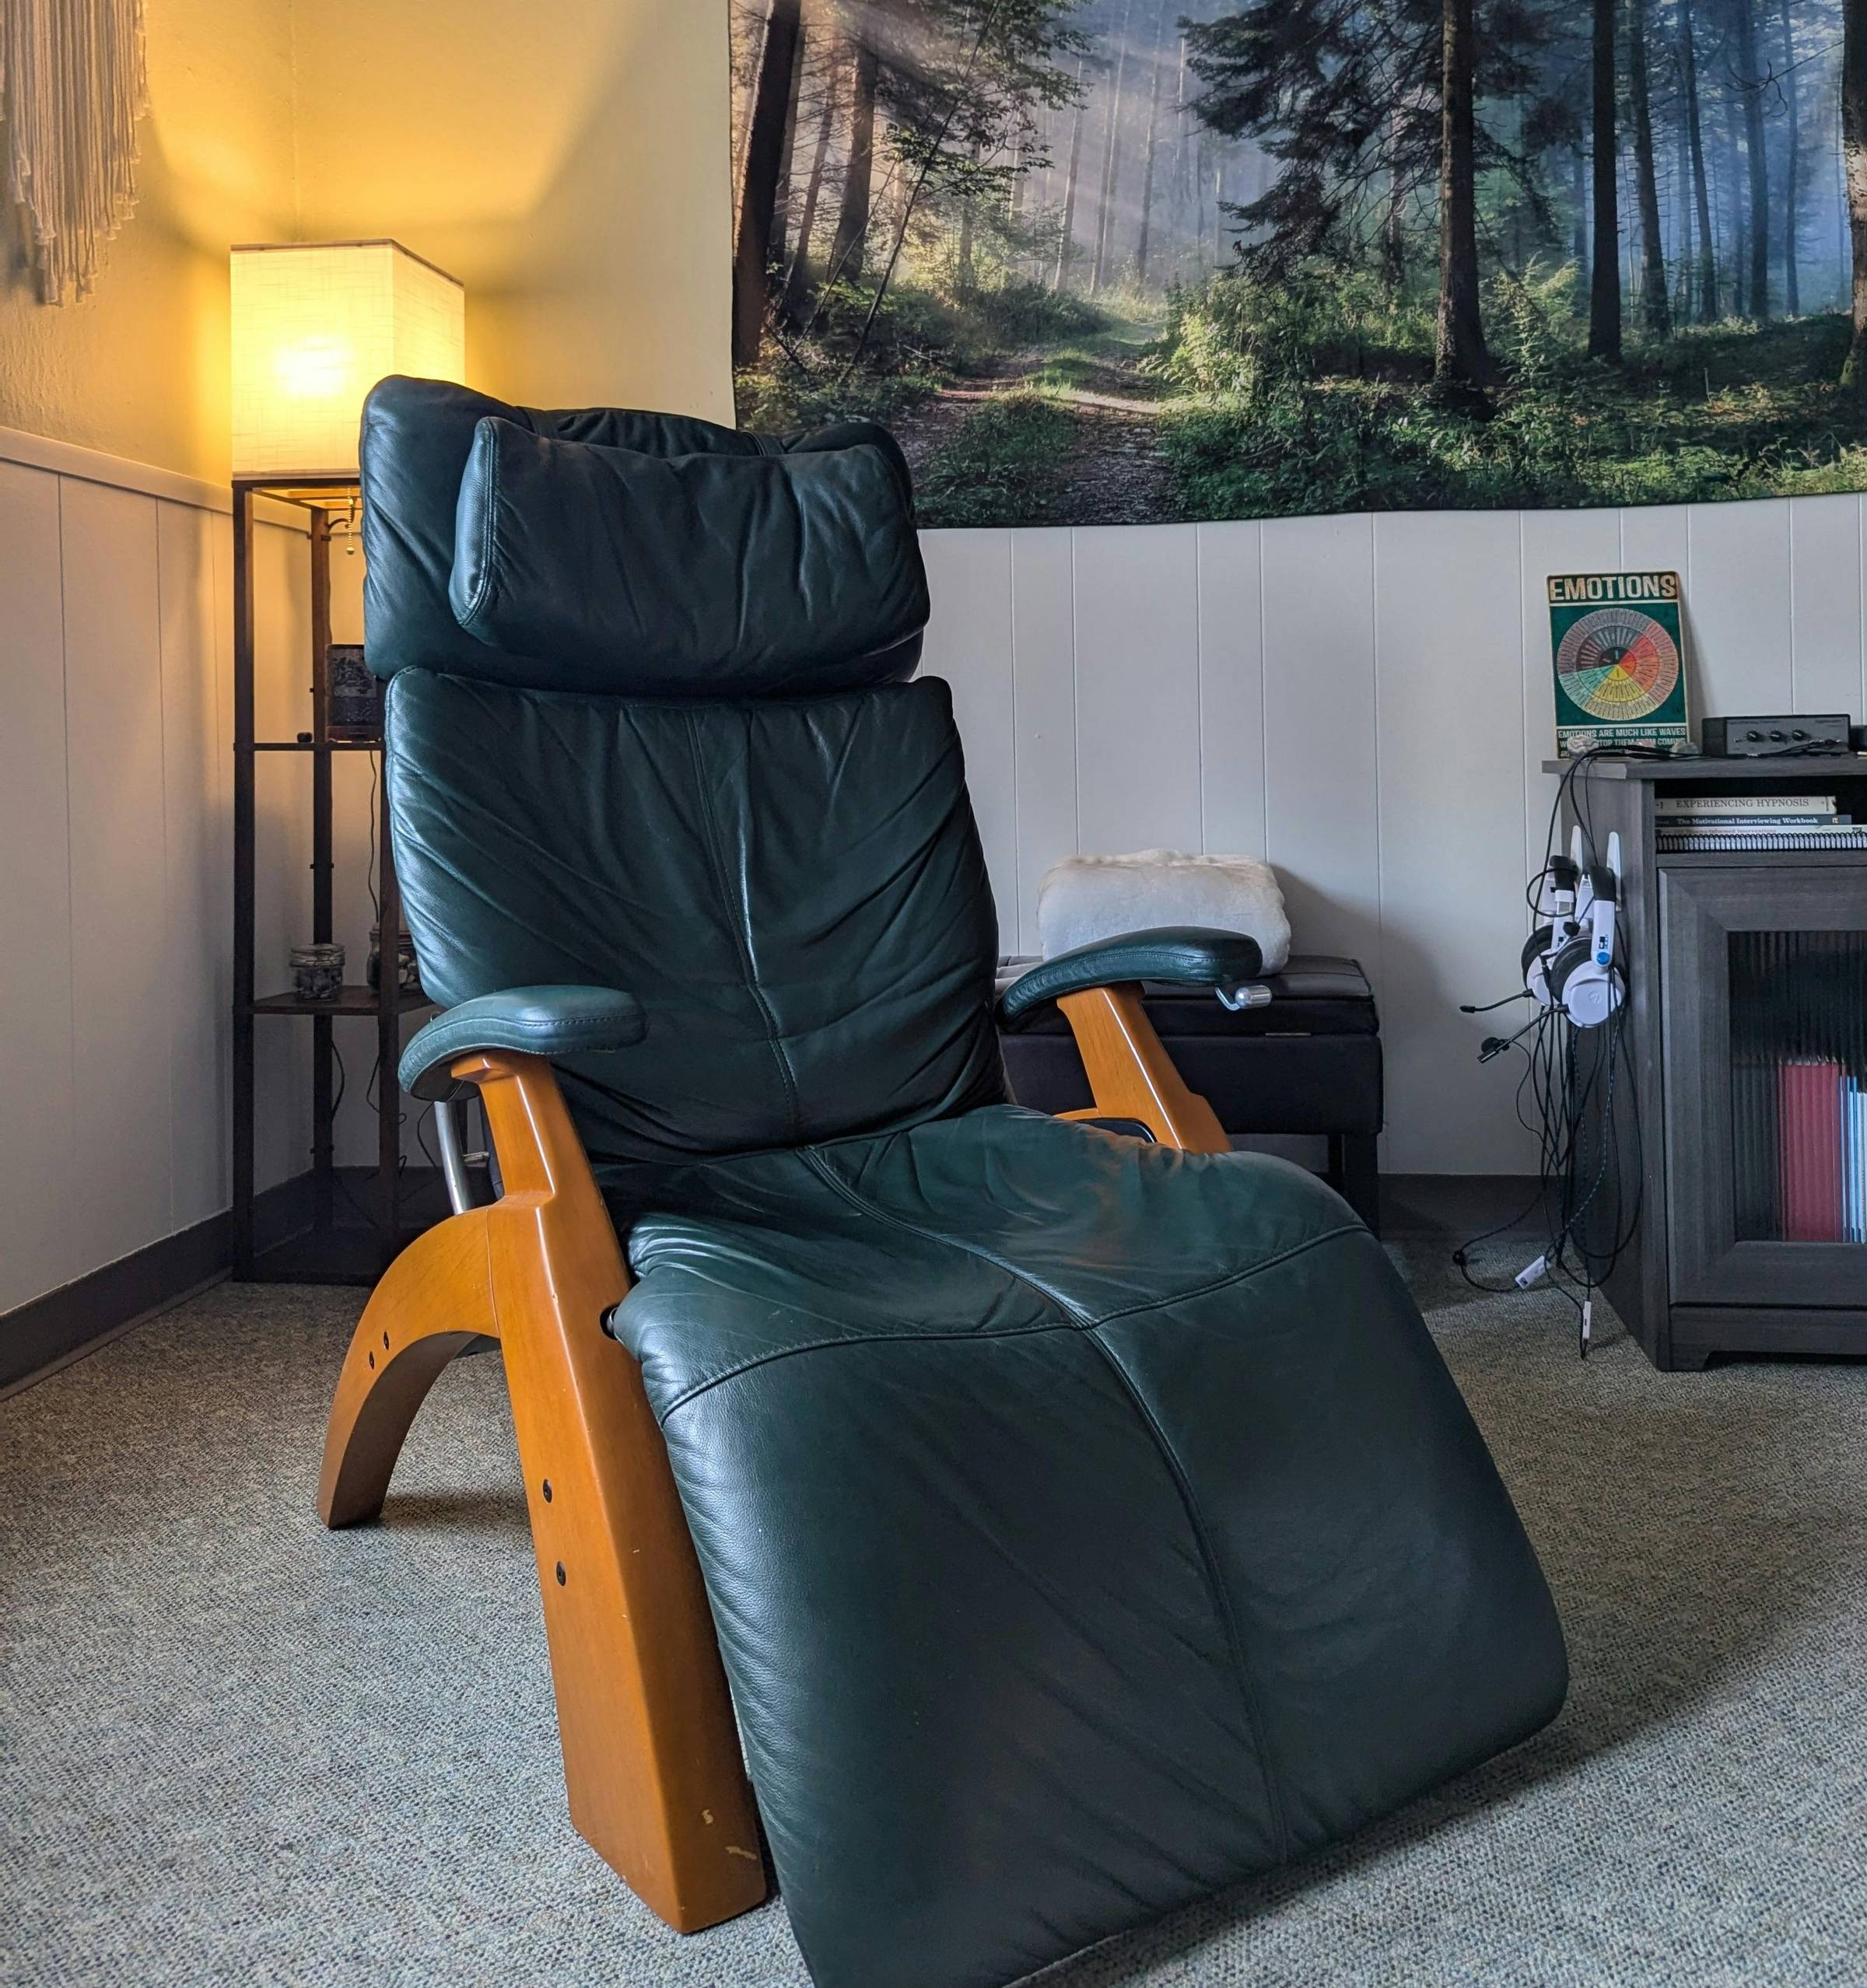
[(1087, 1525)]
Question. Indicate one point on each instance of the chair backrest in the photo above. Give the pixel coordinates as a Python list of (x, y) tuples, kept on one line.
[(647, 729)]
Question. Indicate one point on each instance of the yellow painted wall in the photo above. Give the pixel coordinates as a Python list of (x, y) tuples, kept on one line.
[(139, 367), (567, 159)]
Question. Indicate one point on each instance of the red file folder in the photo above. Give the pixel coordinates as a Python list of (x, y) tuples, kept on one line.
[(1809, 1096)]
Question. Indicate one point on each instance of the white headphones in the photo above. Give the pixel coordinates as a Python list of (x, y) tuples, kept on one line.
[(1569, 962)]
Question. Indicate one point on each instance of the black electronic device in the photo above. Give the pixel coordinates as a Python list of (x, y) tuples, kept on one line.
[(1790, 734)]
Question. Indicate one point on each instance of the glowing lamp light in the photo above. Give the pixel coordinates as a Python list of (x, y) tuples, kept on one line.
[(316, 325)]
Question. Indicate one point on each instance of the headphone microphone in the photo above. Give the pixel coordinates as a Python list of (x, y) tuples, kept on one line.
[(1494, 1046)]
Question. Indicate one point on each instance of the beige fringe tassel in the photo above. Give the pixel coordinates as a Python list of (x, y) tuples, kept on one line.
[(72, 87)]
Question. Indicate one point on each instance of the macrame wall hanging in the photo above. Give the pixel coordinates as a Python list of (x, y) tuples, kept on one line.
[(72, 87)]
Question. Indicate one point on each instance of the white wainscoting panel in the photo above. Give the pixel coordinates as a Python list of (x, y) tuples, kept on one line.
[(120, 909), (1447, 587), (1137, 687), (1364, 701), (1230, 560), (970, 647), (115, 806), (197, 787), (1321, 770), (1825, 628), (1738, 605), (1043, 682), (41, 1243), (1367, 702)]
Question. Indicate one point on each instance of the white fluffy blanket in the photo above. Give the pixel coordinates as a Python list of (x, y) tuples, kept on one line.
[(1085, 898)]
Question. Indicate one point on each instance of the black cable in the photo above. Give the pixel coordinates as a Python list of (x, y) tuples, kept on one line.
[(1460, 1255), (1809, 749), (376, 903), (1577, 1151), (343, 1186), (1573, 1108)]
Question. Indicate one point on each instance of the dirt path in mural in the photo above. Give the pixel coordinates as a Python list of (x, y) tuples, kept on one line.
[(1113, 469), (1116, 472)]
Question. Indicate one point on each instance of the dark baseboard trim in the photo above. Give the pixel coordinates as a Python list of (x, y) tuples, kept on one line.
[(1459, 1205), (46, 1333)]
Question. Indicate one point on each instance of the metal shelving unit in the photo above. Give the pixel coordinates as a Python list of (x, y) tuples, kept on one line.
[(302, 1236)]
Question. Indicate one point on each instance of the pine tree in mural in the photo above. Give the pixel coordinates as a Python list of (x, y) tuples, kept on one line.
[(1753, 81), (1854, 154), (1790, 84), (1655, 309), (1460, 362), (766, 148), (1110, 259), (1604, 279), (1699, 214), (847, 251)]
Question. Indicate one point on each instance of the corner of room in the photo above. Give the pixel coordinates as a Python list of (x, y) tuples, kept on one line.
[(935, 1002)]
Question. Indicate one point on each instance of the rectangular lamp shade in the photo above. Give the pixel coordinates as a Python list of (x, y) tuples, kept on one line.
[(316, 325)]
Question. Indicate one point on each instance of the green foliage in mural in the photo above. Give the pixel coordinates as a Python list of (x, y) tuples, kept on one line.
[(1099, 260)]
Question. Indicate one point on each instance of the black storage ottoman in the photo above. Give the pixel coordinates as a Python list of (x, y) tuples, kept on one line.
[(1309, 1062)]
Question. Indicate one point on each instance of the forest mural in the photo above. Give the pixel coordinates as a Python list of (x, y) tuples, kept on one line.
[(1114, 260)]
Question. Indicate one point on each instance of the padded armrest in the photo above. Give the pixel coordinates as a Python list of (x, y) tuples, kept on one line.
[(542, 1021), (1179, 955)]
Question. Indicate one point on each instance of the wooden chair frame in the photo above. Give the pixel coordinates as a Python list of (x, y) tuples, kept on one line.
[(651, 1753), (1131, 1076), (652, 1760)]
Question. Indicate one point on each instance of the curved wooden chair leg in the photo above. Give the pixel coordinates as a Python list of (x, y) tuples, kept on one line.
[(651, 1750), (434, 1303)]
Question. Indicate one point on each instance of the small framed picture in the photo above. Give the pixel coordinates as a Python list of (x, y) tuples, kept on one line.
[(1618, 645)]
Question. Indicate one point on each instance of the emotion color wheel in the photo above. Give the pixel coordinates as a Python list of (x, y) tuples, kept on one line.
[(1617, 664)]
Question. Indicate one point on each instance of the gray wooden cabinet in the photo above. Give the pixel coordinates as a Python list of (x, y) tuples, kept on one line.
[(1747, 1024)]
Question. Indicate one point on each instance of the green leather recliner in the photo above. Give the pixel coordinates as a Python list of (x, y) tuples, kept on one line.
[(1082, 1523)]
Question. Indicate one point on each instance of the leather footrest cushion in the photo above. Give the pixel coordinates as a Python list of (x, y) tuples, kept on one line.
[(1087, 1525)]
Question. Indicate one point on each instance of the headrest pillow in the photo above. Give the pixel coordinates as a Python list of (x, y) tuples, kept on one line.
[(689, 576), (417, 438)]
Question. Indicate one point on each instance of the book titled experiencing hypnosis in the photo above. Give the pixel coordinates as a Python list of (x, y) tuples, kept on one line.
[(1620, 657)]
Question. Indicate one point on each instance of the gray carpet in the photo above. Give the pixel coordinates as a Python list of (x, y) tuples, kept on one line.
[(236, 1749)]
